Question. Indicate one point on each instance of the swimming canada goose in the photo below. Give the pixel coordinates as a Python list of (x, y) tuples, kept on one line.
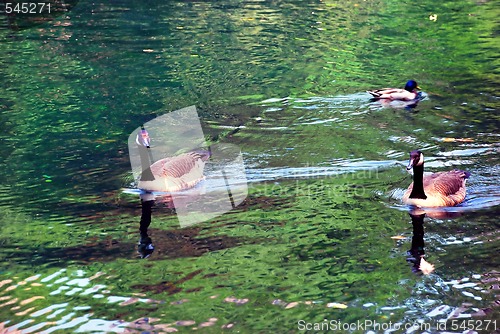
[(407, 94), (173, 174), (170, 174), (434, 189)]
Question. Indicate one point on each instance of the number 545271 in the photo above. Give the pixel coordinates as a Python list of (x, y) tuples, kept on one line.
[(27, 7)]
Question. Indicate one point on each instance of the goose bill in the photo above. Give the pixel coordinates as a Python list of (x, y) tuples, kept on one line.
[(143, 138), (410, 164)]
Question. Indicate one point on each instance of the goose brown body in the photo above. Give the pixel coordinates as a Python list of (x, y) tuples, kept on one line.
[(177, 173), (441, 189), (434, 189)]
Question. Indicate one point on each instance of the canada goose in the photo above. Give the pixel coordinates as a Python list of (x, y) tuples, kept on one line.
[(407, 94), (434, 189), (171, 174)]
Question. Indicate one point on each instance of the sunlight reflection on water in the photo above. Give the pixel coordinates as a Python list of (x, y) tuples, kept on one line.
[(78, 317)]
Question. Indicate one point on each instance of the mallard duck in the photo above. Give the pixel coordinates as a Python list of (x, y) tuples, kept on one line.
[(434, 189), (409, 93), (170, 174)]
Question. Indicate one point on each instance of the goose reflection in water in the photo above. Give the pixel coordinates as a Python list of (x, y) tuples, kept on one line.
[(145, 247), (416, 253)]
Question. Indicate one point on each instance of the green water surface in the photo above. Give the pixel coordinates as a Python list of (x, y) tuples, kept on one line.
[(322, 237)]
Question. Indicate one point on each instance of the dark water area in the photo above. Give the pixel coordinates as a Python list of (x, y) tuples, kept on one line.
[(322, 242)]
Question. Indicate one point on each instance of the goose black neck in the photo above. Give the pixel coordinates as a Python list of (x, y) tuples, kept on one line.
[(146, 174), (418, 182)]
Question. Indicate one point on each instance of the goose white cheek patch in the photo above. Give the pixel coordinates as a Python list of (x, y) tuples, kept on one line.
[(224, 185)]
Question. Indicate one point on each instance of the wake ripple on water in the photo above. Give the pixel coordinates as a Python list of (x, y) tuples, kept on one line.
[(339, 167)]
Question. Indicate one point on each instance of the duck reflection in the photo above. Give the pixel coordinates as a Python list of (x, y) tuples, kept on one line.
[(406, 105), (416, 253)]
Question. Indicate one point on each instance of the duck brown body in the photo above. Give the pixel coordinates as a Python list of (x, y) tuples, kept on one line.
[(409, 93)]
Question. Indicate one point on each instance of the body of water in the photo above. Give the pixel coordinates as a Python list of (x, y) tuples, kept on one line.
[(322, 242)]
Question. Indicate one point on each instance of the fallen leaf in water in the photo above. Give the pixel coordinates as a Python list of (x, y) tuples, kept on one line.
[(445, 116), (336, 305), (129, 301), (292, 304), (98, 274), (457, 140), (426, 267)]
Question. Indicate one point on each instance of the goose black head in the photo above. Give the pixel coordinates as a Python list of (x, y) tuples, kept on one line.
[(411, 86), (144, 145), (416, 159), (142, 138)]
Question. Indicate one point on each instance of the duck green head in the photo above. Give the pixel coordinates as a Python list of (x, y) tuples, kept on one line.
[(411, 86)]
